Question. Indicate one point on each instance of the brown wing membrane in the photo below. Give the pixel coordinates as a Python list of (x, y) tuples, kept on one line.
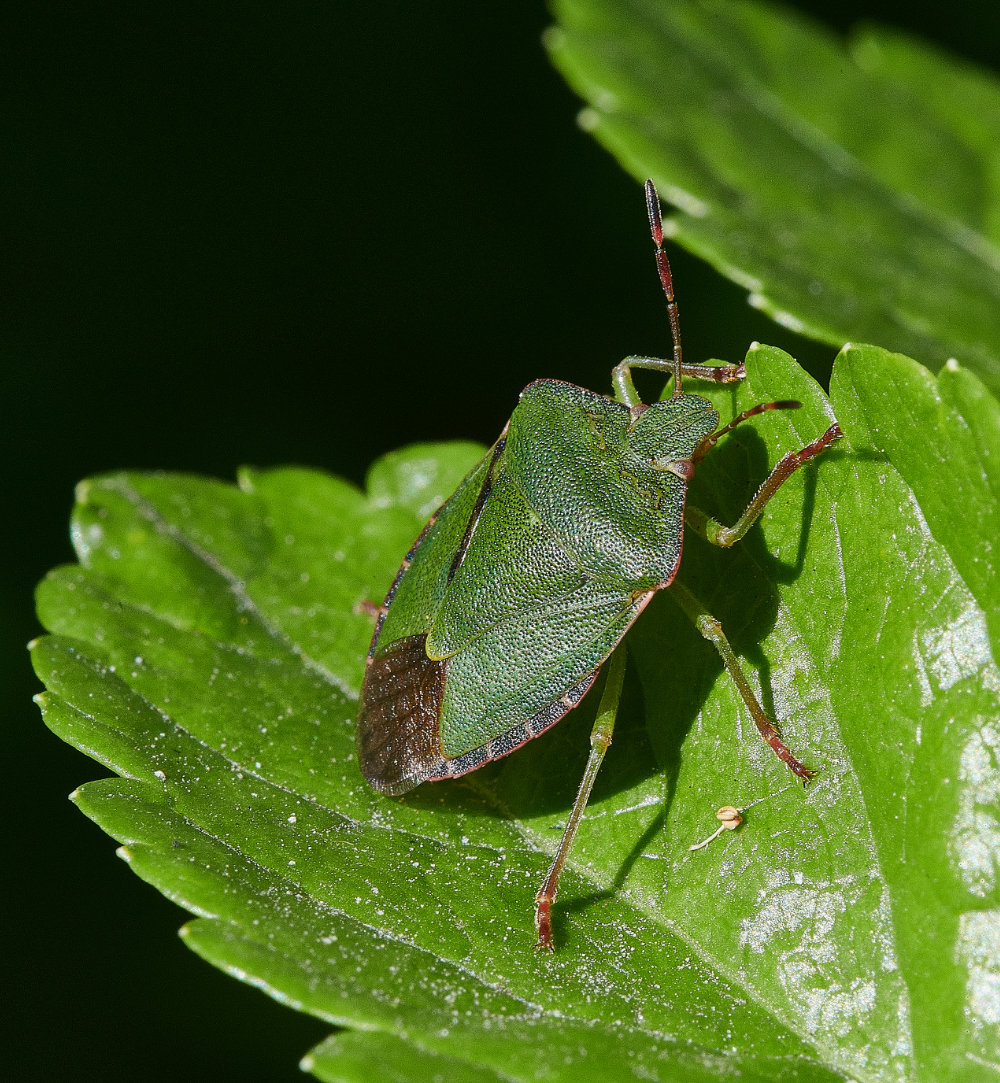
[(397, 735), (397, 739)]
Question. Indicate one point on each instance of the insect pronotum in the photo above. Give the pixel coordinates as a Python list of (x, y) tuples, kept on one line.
[(528, 577)]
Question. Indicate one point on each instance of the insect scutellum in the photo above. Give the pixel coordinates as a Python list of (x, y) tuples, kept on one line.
[(526, 580)]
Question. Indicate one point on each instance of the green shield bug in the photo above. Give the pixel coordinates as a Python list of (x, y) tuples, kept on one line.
[(526, 579)]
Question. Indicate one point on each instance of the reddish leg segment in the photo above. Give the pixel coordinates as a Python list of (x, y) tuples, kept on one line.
[(724, 536), (712, 530), (711, 629), (600, 741), (621, 375)]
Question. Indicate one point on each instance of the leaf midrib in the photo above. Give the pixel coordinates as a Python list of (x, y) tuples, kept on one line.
[(236, 584)]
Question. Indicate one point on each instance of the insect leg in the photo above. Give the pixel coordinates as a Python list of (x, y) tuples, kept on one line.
[(711, 629), (600, 740), (621, 376), (713, 531)]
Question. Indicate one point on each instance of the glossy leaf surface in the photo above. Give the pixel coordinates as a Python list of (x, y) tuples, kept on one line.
[(209, 649), (851, 188)]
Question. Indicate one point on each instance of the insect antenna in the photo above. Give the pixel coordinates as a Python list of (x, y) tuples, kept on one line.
[(666, 279)]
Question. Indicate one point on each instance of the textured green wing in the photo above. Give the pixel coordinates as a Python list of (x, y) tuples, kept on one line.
[(513, 565), (520, 627), (397, 730), (419, 590), (525, 673), (586, 466)]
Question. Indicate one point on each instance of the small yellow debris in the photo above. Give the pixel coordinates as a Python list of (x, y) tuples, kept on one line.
[(730, 820)]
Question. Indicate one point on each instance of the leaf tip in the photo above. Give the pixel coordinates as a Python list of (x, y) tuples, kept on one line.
[(123, 851), (788, 321), (683, 200), (553, 38), (245, 476), (588, 119), (952, 364)]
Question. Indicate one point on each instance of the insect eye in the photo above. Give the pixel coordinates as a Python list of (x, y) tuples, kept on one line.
[(683, 468)]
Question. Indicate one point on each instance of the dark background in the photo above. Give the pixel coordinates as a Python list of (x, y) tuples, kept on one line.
[(238, 232)]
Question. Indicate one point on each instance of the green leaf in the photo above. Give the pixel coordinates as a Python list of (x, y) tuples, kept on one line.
[(209, 649), (853, 191), (350, 1057)]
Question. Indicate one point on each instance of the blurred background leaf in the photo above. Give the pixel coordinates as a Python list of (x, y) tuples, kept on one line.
[(198, 273), (852, 187)]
